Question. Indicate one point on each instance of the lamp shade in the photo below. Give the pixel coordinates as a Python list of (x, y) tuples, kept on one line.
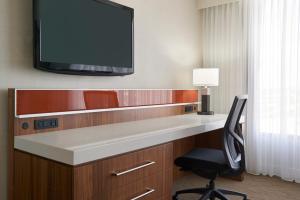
[(206, 77)]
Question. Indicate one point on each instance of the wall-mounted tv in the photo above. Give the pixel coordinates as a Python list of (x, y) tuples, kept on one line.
[(83, 37)]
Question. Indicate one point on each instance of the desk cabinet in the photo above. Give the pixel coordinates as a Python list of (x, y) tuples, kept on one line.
[(145, 174)]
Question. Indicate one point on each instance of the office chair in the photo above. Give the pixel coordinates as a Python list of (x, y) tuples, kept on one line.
[(209, 163)]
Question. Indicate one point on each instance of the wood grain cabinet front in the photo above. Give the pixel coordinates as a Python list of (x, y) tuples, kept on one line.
[(136, 175), (148, 188), (125, 169), (141, 175)]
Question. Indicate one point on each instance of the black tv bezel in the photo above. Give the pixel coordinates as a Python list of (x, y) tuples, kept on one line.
[(50, 66)]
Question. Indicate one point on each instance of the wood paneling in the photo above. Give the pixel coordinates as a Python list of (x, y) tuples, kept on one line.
[(213, 139), (137, 188), (168, 171), (37, 178), (10, 145), (32, 177), (182, 147), (96, 119), (44, 101), (157, 176), (129, 161), (36, 101), (22, 176), (88, 181), (43, 179), (94, 181), (49, 101)]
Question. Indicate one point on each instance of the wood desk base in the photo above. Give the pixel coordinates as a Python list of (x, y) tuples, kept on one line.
[(39, 178), (34, 178)]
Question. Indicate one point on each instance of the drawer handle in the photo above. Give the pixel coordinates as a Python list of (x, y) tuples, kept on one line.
[(149, 191), (133, 169)]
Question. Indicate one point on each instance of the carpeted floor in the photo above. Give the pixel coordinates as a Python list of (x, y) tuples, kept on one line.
[(256, 187)]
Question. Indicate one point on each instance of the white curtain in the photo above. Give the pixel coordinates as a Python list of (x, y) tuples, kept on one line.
[(222, 47), (273, 138)]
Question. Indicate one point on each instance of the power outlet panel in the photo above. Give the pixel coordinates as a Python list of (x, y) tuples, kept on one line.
[(189, 108), (45, 124)]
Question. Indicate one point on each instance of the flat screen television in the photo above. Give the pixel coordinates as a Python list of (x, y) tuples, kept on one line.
[(83, 37)]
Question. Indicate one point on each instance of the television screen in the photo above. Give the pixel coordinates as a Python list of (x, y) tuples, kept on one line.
[(87, 37)]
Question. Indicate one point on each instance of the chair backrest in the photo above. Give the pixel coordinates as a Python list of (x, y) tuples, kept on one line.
[(233, 138)]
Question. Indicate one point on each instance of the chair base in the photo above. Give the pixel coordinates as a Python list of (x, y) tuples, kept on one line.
[(210, 193)]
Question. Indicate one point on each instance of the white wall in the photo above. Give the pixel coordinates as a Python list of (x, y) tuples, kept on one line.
[(167, 47)]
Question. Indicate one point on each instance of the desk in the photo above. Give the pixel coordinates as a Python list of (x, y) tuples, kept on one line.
[(79, 146), (116, 161)]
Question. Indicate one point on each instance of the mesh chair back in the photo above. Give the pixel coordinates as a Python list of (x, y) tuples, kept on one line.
[(233, 140)]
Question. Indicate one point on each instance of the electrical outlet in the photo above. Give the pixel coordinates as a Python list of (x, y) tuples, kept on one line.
[(45, 123), (189, 108)]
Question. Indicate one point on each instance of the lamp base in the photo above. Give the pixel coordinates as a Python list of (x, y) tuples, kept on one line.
[(206, 113)]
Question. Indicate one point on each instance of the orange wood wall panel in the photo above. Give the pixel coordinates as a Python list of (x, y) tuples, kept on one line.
[(45, 101), (48, 101), (185, 96)]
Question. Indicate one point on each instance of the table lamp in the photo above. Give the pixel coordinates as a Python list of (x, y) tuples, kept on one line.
[(205, 77)]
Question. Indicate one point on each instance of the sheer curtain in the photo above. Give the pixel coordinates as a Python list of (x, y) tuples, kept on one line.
[(273, 138), (222, 47)]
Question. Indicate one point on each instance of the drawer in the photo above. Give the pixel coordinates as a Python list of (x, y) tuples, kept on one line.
[(128, 168), (148, 188)]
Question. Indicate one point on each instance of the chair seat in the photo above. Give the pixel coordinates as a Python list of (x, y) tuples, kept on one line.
[(203, 159)]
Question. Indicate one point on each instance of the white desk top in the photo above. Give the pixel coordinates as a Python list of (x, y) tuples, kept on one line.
[(78, 146)]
